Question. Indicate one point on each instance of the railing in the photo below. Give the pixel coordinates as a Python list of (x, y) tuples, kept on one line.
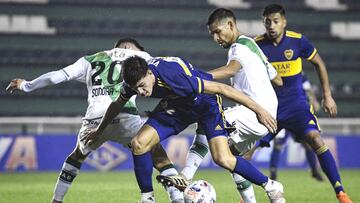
[(71, 125)]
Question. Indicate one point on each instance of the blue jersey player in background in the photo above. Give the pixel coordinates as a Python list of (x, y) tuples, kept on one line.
[(188, 96), (282, 137), (285, 50)]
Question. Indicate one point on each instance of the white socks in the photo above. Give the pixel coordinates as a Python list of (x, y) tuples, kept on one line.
[(67, 175), (147, 197), (245, 188), (198, 150)]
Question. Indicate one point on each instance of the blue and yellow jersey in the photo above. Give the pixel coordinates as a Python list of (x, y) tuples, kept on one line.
[(286, 58), (175, 79), (181, 88)]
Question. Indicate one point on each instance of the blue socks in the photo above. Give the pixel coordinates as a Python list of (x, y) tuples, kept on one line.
[(311, 158), (328, 165), (274, 162), (249, 172), (143, 168)]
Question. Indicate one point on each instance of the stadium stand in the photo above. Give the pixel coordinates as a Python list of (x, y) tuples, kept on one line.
[(39, 36)]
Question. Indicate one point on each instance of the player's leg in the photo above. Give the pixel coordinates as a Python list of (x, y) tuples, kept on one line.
[(245, 188), (198, 150), (274, 161), (141, 146), (312, 160), (122, 132), (242, 140), (196, 154), (69, 171), (166, 168), (223, 157), (158, 127), (72, 164), (304, 125), (327, 163), (279, 142), (128, 128)]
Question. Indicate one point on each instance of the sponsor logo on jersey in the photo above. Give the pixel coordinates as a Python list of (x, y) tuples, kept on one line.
[(288, 68), (288, 54)]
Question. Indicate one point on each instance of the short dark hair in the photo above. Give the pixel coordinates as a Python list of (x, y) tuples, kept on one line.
[(219, 14), (134, 69), (129, 40), (273, 8)]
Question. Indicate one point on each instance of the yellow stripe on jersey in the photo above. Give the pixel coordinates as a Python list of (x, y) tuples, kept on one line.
[(313, 113), (162, 84), (221, 110), (288, 68), (184, 66), (199, 82), (312, 55), (293, 34), (180, 62)]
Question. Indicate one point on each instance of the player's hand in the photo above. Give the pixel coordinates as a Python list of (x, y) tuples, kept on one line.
[(90, 136), (267, 120), (14, 85), (329, 106)]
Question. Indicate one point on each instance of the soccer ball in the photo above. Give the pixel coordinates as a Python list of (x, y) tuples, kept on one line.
[(200, 191)]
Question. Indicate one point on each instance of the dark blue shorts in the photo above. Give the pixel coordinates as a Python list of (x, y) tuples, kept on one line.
[(171, 117), (299, 120)]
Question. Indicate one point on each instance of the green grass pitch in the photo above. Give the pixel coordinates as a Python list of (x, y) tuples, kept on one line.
[(120, 187)]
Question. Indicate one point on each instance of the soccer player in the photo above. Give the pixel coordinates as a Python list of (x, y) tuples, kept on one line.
[(188, 96), (250, 73), (285, 50), (101, 73), (283, 135)]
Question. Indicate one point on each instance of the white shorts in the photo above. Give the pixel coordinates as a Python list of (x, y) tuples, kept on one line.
[(122, 129), (248, 129)]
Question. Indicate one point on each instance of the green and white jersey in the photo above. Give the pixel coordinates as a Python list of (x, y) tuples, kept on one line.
[(254, 77), (101, 73)]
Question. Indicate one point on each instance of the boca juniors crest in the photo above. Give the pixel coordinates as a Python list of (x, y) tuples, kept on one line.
[(288, 53)]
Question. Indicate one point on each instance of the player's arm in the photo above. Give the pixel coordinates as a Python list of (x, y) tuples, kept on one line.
[(328, 102), (263, 116), (312, 99), (73, 71), (47, 79), (277, 81), (310, 94), (274, 77), (226, 71), (112, 111)]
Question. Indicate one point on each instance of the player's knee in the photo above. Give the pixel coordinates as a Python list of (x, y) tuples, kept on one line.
[(314, 139), (137, 147), (77, 155)]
